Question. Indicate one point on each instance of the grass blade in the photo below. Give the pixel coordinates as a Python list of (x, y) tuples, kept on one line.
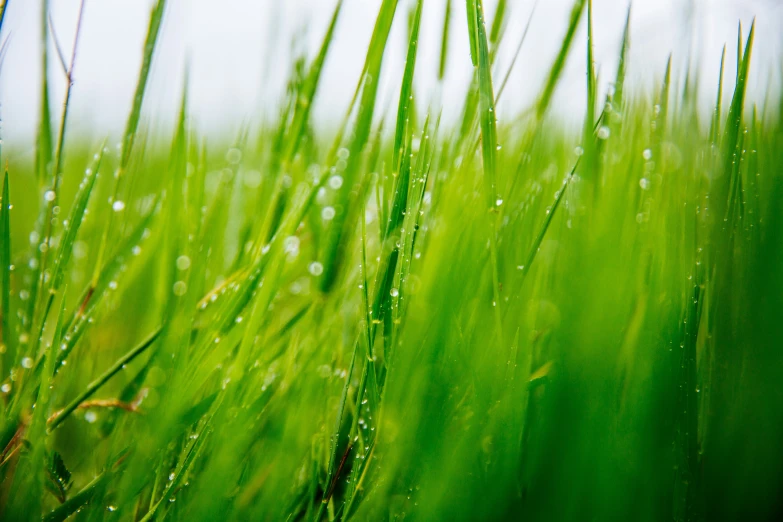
[(304, 100), (444, 41), (103, 378), (335, 231), (406, 98), (559, 63)]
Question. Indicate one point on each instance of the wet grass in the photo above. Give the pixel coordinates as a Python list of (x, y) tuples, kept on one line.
[(400, 319)]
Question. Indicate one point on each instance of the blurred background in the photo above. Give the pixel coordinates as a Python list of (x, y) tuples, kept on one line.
[(240, 54)]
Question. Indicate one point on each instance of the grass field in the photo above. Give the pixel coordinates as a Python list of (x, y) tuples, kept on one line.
[(399, 319)]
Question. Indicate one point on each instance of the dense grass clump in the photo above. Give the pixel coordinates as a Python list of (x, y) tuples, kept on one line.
[(400, 319)]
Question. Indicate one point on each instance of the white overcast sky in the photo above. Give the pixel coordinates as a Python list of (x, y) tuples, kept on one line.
[(228, 44)]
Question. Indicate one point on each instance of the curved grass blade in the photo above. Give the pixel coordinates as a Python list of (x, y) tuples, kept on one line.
[(545, 226), (103, 378), (92, 296)]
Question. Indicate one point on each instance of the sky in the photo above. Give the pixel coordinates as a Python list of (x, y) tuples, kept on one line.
[(239, 54)]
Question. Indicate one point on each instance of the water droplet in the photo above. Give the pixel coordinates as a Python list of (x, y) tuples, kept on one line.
[(179, 288), (498, 202), (90, 417), (252, 179), (327, 213), (336, 182), (113, 285), (233, 156), (647, 154), (118, 206), (394, 292), (315, 268), (603, 132), (183, 262), (27, 362), (136, 250), (579, 151), (291, 245), (644, 183), (49, 195), (5, 388)]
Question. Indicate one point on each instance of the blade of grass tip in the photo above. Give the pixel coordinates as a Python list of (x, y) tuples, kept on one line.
[(545, 226), (304, 101), (405, 102), (444, 41), (382, 25), (622, 63), (739, 49), (734, 120), (103, 378), (7, 338), (497, 23), (472, 31), (131, 126), (715, 128), (559, 63), (663, 104)]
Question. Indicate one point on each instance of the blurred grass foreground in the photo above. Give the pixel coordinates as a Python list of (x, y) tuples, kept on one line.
[(398, 318)]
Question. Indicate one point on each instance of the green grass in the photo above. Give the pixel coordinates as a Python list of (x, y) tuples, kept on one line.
[(401, 318)]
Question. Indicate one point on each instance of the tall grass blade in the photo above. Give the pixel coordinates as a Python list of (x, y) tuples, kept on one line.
[(559, 63), (103, 378)]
